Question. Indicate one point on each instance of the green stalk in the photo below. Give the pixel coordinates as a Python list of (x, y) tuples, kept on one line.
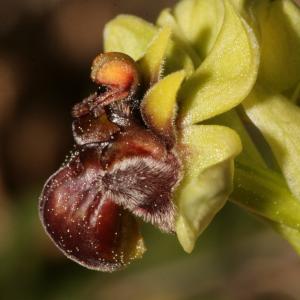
[(265, 192)]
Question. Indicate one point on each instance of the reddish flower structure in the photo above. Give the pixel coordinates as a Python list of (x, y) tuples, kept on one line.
[(119, 170)]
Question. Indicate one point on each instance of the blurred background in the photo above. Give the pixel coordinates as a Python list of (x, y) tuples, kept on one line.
[(46, 49)]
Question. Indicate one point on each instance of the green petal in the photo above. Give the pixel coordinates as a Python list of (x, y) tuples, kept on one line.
[(279, 23), (159, 105), (200, 21), (151, 63), (128, 34), (207, 152), (279, 121), (226, 76)]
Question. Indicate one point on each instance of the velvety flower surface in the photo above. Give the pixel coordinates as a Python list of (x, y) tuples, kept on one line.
[(124, 166), (176, 104)]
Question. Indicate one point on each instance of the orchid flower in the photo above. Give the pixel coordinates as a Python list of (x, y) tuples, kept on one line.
[(196, 110)]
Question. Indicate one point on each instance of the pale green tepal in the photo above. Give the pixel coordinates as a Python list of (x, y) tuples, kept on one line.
[(241, 62), (208, 152), (151, 62), (159, 105)]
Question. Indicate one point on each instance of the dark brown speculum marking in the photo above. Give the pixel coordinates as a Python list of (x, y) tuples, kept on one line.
[(120, 170)]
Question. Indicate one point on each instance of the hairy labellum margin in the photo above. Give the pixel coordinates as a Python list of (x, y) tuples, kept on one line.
[(120, 169)]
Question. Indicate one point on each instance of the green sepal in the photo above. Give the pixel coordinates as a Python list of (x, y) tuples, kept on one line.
[(278, 120), (279, 26), (200, 22), (151, 63), (207, 153), (226, 76), (159, 107), (128, 34), (165, 18)]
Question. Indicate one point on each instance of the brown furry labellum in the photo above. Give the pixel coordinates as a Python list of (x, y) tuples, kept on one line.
[(119, 170)]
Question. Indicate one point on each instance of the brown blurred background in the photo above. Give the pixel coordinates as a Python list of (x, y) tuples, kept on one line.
[(46, 48)]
